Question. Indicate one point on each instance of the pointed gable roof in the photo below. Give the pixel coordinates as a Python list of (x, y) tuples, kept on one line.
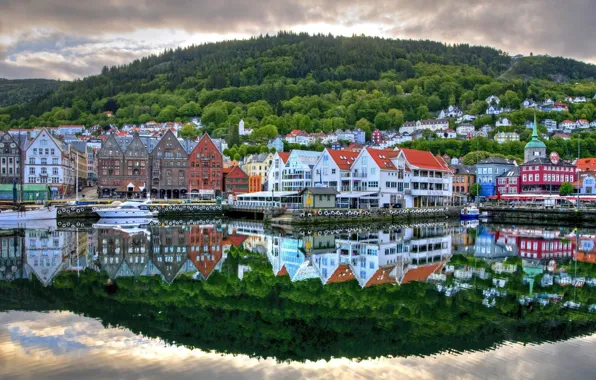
[(381, 276), (136, 148), (422, 159), (110, 148), (343, 158), (383, 158), (343, 273), (284, 156), (283, 272), (202, 141), (421, 273)]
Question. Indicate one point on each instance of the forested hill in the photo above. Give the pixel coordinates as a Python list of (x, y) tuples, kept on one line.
[(185, 82), (24, 90)]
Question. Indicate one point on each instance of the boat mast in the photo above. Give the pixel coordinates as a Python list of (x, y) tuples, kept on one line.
[(77, 178)]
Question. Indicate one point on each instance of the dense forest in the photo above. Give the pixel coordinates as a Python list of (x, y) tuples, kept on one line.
[(267, 316), (20, 91), (311, 82)]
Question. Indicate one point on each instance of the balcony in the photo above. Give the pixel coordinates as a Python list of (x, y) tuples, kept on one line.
[(429, 180), (359, 175), (441, 193)]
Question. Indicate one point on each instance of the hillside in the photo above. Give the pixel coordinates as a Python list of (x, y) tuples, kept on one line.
[(301, 81), (24, 90)]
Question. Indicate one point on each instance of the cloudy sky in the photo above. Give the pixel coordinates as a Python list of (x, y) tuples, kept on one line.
[(67, 39), (62, 345)]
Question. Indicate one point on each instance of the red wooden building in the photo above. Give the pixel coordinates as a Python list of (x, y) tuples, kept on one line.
[(235, 181), (205, 168)]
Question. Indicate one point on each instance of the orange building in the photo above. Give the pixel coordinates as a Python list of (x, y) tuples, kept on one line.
[(254, 184), (463, 178)]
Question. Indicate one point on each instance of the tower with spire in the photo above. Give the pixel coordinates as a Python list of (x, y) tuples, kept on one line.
[(534, 148)]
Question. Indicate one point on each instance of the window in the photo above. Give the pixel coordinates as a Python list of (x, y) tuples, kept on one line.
[(524, 178), (54, 161), (31, 171), (32, 161), (44, 161), (54, 171), (332, 171)]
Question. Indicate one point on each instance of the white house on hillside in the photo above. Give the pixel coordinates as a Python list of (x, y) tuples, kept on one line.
[(493, 100)]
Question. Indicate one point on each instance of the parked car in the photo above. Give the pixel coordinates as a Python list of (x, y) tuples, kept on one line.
[(393, 205)]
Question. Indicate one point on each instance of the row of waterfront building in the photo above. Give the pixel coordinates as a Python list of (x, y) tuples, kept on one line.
[(170, 167)]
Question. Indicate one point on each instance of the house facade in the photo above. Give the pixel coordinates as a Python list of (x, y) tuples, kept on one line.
[(488, 170), (169, 162), (333, 169), (10, 159), (297, 173), (413, 126), (48, 161), (275, 171), (509, 182), (503, 137), (205, 169), (235, 181), (123, 168), (463, 177)]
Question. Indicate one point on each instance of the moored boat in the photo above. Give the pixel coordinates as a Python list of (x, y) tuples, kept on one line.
[(10, 218), (128, 209), (469, 212)]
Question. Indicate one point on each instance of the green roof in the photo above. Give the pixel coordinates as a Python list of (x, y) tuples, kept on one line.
[(31, 187), (535, 143)]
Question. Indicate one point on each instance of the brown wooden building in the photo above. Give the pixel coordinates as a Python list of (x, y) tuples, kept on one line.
[(169, 168), (123, 168)]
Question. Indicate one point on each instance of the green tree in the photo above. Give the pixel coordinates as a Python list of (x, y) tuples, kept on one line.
[(474, 189), (189, 131), (566, 189)]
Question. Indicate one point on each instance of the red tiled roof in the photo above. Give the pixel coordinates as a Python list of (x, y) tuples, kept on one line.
[(383, 158), (381, 276), (424, 160), (283, 272), (284, 156), (586, 164), (343, 273), (236, 240), (422, 273), (343, 158)]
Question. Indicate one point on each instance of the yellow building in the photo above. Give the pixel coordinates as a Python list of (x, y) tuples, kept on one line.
[(257, 166)]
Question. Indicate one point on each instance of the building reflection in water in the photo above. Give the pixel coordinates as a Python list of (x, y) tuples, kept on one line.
[(385, 255)]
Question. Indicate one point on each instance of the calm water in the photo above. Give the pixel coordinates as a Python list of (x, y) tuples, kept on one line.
[(227, 299)]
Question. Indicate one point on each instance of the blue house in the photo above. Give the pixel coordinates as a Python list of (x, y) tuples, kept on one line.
[(276, 143), (588, 185), (488, 170)]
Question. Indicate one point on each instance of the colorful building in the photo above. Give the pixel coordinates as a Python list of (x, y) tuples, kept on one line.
[(205, 169), (235, 181)]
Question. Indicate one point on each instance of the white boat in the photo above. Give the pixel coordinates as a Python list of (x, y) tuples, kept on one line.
[(12, 218), (128, 226), (127, 210), (469, 212)]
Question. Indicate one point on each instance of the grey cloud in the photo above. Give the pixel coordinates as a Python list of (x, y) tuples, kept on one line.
[(77, 30)]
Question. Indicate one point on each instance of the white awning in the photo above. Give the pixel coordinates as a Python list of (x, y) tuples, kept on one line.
[(357, 194), (267, 194)]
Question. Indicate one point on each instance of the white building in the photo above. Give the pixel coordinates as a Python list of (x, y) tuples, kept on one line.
[(493, 100), (465, 129), (333, 169), (274, 174), (567, 124), (298, 171), (413, 126), (451, 111), (48, 160), (503, 122), (70, 129), (243, 131), (551, 125), (529, 103)]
